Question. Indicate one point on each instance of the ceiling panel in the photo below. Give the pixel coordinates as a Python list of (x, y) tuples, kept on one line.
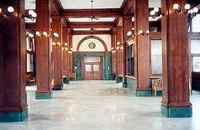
[(86, 4), (79, 4)]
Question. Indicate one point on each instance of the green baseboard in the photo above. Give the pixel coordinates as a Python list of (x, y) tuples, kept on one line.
[(58, 87), (47, 95), (158, 93), (176, 112), (13, 116), (143, 93)]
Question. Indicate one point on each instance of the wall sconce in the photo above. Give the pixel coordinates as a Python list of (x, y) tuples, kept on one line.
[(141, 32), (121, 47), (10, 9), (181, 9), (58, 44), (129, 33), (56, 35), (65, 44), (38, 34), (118, 48), (32, 14), (70, 51), (30, 34), (193, 12), (45, 34), (53, 43), (118, 43)]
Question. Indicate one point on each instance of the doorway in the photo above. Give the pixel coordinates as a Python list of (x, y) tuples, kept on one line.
[(92, 68)]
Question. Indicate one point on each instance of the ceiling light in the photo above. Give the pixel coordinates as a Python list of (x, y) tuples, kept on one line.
[(10, 9)]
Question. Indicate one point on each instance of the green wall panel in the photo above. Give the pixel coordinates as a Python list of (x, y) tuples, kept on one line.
[(107, 69)]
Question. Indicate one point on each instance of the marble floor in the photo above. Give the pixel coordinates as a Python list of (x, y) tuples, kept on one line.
[(100, 105)]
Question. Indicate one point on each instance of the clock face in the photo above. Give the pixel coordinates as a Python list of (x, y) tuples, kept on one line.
[(92, 45)]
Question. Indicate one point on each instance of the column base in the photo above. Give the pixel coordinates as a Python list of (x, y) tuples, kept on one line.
[(13, 116), (58, 87), (44, 95), (65, 80), (119, 79), (143, 93), (176, 112)]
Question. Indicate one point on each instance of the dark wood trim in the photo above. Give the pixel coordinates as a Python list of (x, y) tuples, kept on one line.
[(90, 32), (88, 12), (91, 25), (155, 35)]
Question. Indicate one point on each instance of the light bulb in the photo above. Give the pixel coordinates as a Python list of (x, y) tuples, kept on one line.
[(129, 33), (118, 43), (53, 43), (45, 34), (140, 32), (147, 32), (55, 34), (195, 10), (1, 11), (38, 34), (10, 9), (187, 6), (156, 9), (65, 44), (152, 13), (176, 6), (30, 35)]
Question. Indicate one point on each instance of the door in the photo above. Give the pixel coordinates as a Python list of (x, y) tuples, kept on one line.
[(92, 68)]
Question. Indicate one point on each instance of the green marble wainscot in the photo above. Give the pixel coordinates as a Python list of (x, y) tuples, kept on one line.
[(176, 112), (107, 69), (14, 116), (44, 95), (77, 65)]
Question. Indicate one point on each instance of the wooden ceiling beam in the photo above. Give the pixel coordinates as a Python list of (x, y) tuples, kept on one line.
[(91, 24), (78, 13), (90, 32)]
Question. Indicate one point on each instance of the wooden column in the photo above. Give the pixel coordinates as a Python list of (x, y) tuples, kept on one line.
[(119, 51), (127, 26), (114, 56), (143, 48), (43, 50), (13, 103), (70, 54), (65, 51), (57, 52), (175, 101)]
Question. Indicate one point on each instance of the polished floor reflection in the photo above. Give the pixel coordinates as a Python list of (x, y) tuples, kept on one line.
[(100, 105)]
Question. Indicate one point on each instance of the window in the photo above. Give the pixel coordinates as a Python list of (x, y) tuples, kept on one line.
[(156, 56), (196, 23), (130, 60), (195, 51), (30, 54)]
